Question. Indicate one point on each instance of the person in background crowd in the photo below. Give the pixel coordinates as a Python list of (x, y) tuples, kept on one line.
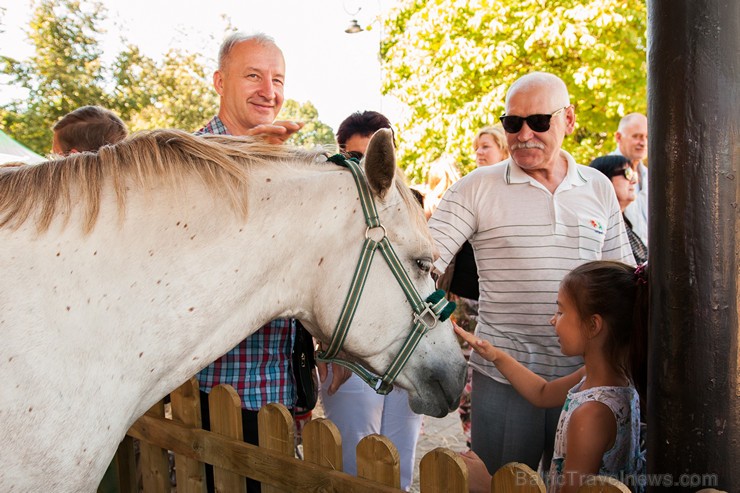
[(443, 172), (87, 129), (631, 137), (250, 80), (617, 168), (355, 131), (490, 145), (531, 219)]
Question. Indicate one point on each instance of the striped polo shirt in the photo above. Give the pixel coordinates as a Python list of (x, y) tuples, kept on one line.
[(525, 240)]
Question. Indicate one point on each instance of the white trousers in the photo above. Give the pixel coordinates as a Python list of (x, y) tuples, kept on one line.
[(358, 411)]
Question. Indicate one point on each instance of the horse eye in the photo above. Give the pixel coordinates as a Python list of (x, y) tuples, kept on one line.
[(424, 265)]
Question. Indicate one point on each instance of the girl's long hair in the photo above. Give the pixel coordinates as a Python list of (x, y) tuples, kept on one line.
[(619, 293)]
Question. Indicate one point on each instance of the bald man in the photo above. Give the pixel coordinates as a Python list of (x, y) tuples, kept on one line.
[(531, 219), (631, 137)]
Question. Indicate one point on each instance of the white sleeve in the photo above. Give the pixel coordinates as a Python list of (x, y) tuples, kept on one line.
[(452, 224)]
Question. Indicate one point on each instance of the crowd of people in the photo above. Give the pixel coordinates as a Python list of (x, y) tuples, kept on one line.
[(529, 232)]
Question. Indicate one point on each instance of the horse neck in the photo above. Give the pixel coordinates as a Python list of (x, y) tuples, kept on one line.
[(274, 263)]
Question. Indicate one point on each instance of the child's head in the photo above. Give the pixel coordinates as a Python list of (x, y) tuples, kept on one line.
[(618, 293), (87, 129)]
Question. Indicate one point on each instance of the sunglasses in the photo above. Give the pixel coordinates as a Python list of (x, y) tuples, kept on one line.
[(538, 123), (628, 173)]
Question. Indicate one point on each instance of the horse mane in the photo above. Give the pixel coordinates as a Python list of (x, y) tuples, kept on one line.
[(145, 159)]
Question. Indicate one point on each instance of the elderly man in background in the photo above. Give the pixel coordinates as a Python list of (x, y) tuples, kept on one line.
[(531, 219), (250, 81), (631, 137)]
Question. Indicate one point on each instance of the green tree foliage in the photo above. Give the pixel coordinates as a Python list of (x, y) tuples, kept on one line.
[(66, 71), (179, 91), (63, 73), (314, 132), (451, 61)]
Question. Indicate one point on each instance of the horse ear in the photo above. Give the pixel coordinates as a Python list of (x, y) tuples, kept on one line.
[(380, 162)]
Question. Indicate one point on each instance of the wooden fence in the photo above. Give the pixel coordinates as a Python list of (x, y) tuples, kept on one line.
[(274, 462)]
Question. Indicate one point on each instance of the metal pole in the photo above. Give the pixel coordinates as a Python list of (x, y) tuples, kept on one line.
[(693, 409)]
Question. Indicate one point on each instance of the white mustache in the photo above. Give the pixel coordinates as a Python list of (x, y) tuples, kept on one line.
[(527, 145)]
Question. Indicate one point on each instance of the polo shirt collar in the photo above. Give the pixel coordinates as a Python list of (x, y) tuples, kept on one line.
[(573, 177)]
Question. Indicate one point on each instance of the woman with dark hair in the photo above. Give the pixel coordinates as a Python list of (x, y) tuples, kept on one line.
[(617, 168)]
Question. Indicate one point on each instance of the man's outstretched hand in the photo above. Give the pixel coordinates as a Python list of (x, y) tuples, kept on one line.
[(277, 132)]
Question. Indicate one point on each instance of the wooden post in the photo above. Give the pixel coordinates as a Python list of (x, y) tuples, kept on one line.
[(190, 473), (443, 471), (377, 459), (693, 408), (225, 409)]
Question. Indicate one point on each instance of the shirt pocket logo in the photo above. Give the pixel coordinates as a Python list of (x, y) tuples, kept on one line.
[(591, 236)]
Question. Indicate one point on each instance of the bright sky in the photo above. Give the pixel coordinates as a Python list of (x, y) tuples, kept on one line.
[(338, 72)]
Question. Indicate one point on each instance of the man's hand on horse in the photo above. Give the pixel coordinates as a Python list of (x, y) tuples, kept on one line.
[(277, 132)]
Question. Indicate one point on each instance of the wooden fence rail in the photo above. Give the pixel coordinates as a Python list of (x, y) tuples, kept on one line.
[(273, 463)]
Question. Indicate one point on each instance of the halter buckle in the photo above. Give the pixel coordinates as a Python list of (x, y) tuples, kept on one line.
[(427, 318)]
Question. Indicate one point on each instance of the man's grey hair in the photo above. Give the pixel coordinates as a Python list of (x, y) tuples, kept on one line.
[(239, 37), (629, 119), (545, 80)]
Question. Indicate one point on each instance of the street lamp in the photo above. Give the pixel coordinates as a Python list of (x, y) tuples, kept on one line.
[(354, 27)]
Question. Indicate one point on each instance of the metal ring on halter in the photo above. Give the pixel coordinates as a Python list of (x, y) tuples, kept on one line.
[(367, 232), (427, 318)]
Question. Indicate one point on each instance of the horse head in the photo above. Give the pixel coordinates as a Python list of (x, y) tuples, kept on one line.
[(388, 334)]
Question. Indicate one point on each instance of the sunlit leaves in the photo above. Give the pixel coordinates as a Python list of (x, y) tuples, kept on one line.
[(314, 132), (66, 71), (451, 61)]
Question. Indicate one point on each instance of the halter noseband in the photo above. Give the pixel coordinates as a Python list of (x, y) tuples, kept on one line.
[(427, 313)]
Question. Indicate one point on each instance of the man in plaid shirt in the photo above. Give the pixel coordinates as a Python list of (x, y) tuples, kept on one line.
[(249, 81)]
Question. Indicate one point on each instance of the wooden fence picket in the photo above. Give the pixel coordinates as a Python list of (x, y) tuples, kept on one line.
[(189, 473), (126, 462), (443, 471), (225, 409), (155, 462), (322, 444), (603, 484), (378, 460), (516, 477), (275, 427)]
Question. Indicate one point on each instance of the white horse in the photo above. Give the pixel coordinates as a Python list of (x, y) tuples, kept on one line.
[(125, 272)]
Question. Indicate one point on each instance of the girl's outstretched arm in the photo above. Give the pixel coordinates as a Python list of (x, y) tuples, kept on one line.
[(531, 386)]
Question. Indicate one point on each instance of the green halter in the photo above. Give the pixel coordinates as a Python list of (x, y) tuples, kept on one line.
[(426, 312)]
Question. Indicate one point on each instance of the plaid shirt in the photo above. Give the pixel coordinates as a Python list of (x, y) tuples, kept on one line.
[(258, 367)]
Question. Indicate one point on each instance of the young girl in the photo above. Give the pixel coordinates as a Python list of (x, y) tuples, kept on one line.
[(602, 316)]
